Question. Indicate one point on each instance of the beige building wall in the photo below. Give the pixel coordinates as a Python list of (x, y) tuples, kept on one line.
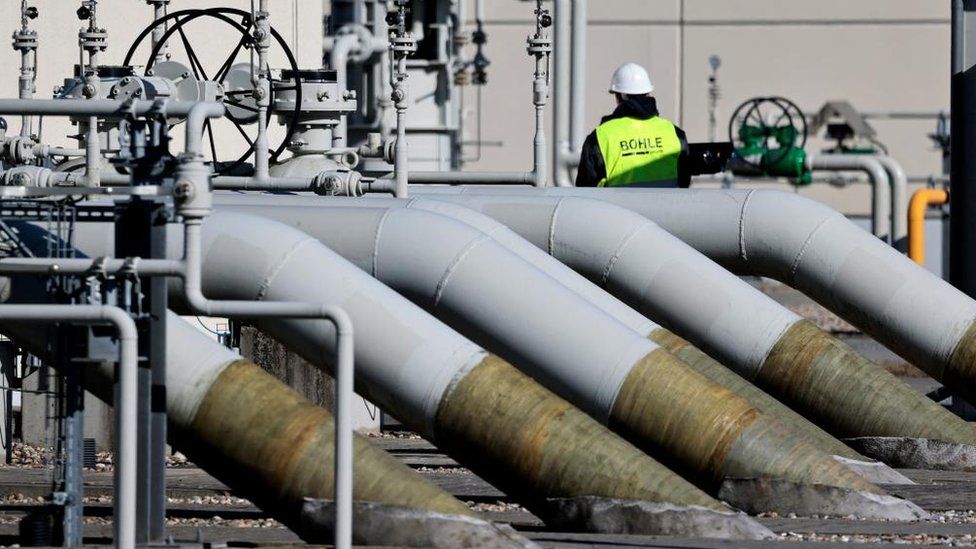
[(882, 55)]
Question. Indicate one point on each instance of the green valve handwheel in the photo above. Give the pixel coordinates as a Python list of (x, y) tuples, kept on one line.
[(768, 134)]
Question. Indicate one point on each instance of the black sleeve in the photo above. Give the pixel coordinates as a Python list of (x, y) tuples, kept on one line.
[(591, 169), (684, 160)]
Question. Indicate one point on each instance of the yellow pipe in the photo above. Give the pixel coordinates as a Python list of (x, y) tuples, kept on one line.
[(921, 200)]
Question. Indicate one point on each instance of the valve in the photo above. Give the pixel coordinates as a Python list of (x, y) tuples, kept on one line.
[(768, 135)]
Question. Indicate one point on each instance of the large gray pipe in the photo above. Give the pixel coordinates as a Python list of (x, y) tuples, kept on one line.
[(591, 293), (533, 444), (816, 250), (476, 285)]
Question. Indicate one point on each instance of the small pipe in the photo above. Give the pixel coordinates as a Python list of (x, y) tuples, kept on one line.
[(93, 154), (578, 88), (339, 60), (921, 200), (899, 200), (124, 514), (562, 46), (463, 178), (262, 84), (880, 203)]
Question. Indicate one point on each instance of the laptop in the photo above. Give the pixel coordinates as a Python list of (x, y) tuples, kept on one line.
[(706, 158)]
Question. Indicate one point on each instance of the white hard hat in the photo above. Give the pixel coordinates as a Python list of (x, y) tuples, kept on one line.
[(631, 79)]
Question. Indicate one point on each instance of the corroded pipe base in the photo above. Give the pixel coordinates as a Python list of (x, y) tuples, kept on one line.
[(534, 445), (713, 370), (388, 525), (616, 516), (850, 396), (273, 447), (701, 427), (918, 453), (756, 496)]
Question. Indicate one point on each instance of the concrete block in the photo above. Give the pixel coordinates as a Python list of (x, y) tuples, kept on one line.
[(634, 517), (765, 495), (917, 453), (387, 525)]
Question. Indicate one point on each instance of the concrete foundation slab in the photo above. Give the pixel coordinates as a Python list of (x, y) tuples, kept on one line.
[(756, 496), (875, 472), (917, 453), (616, 516), (388, 525)]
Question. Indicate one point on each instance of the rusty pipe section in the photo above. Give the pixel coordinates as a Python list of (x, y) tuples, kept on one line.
[(439, 383), (660, 276), (818, 251), (257, 435), (263, 439), (473, 283)]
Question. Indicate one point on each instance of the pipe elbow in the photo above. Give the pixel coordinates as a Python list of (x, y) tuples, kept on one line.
[(917, 207)]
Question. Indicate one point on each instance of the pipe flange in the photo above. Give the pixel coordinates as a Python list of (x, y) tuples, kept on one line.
[(25, 40)]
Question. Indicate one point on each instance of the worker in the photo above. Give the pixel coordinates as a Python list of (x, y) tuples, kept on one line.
[(634, 146)]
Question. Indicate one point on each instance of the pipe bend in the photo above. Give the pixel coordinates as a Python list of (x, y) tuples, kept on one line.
[(919, 204)]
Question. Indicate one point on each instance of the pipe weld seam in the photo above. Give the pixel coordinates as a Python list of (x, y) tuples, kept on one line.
[(376, 242), (605, 275), (458, 259), (795, 264), (551, 243), (742, 227), (268, 279)]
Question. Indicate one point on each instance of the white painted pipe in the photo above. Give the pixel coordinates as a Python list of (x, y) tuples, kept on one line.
[(473, 282), (343, 47), (577, 133), (899, 201), (818, 251), (880, 185), (561, 101)]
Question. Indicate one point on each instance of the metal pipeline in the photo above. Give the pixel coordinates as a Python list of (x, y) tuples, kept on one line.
[(880, 185), (818, 251), (920, 203), (618, 376), (668, 281), (640, 324), (534, 446), (562, 105), (899, 200), (343, 47), (577, 91)]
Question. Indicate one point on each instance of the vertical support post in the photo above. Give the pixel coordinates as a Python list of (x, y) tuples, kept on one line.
[(561, 102), (577, 110), (139, 234), (8, 373), (158, 304), (74, 434), (962, 221)]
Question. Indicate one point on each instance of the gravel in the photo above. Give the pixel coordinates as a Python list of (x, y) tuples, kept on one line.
[(27, 456)]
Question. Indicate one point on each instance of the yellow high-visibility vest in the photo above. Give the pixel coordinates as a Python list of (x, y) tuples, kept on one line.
[(638, 151)]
